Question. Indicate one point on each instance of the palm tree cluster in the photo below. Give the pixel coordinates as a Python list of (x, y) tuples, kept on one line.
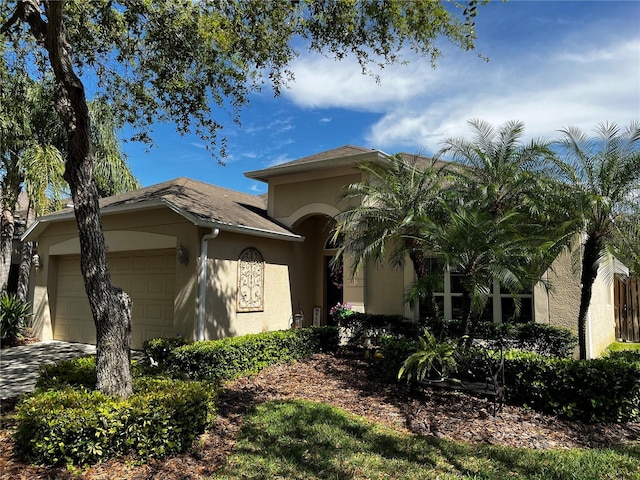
[(494, 209)]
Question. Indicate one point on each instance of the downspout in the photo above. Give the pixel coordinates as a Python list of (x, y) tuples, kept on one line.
[(202, 281)]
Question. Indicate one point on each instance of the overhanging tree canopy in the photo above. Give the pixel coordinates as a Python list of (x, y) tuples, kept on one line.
[(187, 62)]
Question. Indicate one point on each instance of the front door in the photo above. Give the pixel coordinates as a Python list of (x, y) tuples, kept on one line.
[(334, 280)]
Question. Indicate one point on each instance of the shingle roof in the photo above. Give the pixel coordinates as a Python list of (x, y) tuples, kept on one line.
[(344, 155), (344, 151), (202, 203)]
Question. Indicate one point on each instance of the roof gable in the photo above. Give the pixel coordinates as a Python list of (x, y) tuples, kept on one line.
[(345, 155), (201, 203)]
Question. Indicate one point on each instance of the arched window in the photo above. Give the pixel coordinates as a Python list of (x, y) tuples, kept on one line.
[(250, 281)]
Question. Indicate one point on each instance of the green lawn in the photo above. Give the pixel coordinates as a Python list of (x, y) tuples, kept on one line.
[(305, 440), (617, 346)]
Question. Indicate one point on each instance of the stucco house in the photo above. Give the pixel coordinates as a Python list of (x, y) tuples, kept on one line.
[(207, 262)]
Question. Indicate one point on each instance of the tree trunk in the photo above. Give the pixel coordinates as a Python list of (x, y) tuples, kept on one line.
[(9, 189), (419, 263), (7, 228), (24, 274), (592, 247), (110, 306)]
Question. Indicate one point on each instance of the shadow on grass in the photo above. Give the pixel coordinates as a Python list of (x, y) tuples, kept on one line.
[(305, 440)]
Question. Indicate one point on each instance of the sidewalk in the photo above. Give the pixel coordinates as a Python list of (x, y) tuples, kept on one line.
[(19, 365)]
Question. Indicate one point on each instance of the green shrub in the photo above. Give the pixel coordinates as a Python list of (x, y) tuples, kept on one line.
[(394, 352), (433, 359), (77, 426), (77, 372), (599, 390), (14, 313), (159, 349), (534, 337), (375, 326), (235, 356), (546, 340), (631, 356)]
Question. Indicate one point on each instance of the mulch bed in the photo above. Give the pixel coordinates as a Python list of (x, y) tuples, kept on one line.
[(345, 383)]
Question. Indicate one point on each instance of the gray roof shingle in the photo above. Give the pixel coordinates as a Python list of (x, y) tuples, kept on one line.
[(202, 203)]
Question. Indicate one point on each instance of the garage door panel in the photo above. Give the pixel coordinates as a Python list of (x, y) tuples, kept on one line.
[(148, 277)]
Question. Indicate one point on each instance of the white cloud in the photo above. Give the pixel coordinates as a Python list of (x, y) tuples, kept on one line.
[(546, 93), (278, 159), (323, 83), (578, 77)]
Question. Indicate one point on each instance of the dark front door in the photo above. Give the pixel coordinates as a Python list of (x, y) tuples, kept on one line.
[(334, 279)]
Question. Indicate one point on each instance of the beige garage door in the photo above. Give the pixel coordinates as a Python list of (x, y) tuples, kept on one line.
[(147, 276)]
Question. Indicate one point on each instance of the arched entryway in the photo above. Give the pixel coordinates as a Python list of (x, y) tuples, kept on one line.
[(318, 284)]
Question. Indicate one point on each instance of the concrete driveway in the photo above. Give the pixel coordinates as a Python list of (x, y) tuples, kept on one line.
[(19, 365)]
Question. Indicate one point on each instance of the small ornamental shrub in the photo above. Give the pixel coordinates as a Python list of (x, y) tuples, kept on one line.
[(14, 314), (394, 352), (340, 312), (433, 360), (159, 349), (76, 372), (231, 357), (78, 426)]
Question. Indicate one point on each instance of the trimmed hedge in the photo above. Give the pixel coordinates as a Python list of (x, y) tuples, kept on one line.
[(78, 426), (67, 422), (159, 349), (599, 390), (78, 372), (540, 338), (232, 357)]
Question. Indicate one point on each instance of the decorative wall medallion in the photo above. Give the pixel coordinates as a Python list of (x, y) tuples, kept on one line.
[(250, 281)]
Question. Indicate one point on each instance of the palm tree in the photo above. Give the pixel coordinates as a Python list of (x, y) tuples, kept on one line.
[(603, 173), (482, 249), (504, 222), (32, 158), (392, 206), (502, 172)]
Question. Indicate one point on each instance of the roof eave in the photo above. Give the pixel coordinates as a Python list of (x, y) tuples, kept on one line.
[(264, 174), (40, 225)]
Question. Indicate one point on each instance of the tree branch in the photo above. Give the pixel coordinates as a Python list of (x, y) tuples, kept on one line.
[(17, 15), (28, 11)]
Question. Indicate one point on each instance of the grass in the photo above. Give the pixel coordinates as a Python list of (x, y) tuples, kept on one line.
[(618, 346), (306, 440)]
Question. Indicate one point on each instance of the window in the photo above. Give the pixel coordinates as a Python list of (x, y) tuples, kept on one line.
[(500, 305), (250, 281)]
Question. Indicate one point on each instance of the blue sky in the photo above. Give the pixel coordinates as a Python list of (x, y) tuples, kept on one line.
[(552, 64)]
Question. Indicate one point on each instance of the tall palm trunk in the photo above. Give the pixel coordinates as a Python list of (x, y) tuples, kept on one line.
[(110, 306), (592, 248), (7, 228), (24, 273), (419, 263)]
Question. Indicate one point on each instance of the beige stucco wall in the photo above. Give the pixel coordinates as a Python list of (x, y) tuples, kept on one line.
[(385, 289), (142, 230), (601, 320), (560, 305), (222, 317), (290, 194)]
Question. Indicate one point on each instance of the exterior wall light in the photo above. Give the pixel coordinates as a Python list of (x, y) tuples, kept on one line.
[(35, 260), (182, 254)]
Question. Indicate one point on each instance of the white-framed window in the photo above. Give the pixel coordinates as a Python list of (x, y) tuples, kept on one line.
[(500, 306), (250, 281)]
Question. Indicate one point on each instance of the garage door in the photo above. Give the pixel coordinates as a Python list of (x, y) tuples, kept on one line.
[(147, 276)]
